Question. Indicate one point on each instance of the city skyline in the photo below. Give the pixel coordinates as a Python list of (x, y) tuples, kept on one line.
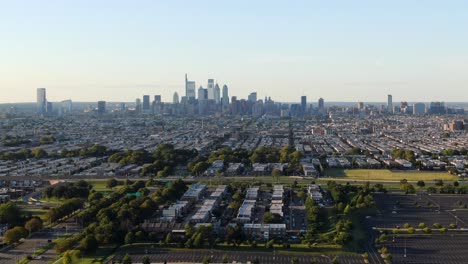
[(90, 51)]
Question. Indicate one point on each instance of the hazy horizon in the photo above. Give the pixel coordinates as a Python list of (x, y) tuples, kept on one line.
[(342, 51)]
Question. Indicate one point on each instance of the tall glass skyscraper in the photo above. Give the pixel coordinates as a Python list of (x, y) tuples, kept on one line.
[(41, 101), (189, 88)]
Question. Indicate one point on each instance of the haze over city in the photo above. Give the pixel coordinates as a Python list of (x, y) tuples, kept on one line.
[(341, 51)]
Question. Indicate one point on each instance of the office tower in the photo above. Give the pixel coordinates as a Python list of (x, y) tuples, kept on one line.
[(123, 108), (157, 99), (138, 105), (225, 96), (252, 97), (389, 103), (360, 106), (419, 109), (217, 94), (210, 88), (321, 104), (257, 109), (175, 98), (437, 108), (202, 94), (41, 101), (189, 88), (304, 104), (49, 108), (234, 105), (146, 102), (66, 106), (101, 107)]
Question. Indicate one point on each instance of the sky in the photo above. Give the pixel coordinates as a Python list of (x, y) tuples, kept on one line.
[(345, 50)]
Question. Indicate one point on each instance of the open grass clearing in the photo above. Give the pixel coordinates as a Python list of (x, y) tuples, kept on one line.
[(388, 175)]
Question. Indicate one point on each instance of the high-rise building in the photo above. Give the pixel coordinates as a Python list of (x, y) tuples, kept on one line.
[(175, 98), (321, 104), (252, 97), (101, 107), (225, 96), (360, 106), (437, 108), (202, 94), (41, 101), (138, 105), (157, 99), (217, 94), (257, 109), (67, 106), (210, 88), (189, 88), (123, 107), (419, 109), (146, 102), (304, 104), (389, 103)]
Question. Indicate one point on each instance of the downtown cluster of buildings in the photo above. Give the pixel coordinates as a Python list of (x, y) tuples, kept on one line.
[(213, 100)]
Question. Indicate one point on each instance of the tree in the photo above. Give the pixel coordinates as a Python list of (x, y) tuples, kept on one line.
[(127, 259), (420, 184), (89, 244), (255, 261), (111, 183), (129, 238), (38, 153), (67, 259), (146, 260), (15, 234), (10, 214), (206, 260), (225, 259), (34, 224), (439, 182), (276, 172), (168, 239)]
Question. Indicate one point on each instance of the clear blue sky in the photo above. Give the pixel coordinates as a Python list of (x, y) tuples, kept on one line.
[(89, 50)]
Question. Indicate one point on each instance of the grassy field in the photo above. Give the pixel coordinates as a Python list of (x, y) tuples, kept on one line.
[(387, 175), (100, 186)]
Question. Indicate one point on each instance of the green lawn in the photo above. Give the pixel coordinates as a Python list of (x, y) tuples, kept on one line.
[(387, 175), (99, 186)]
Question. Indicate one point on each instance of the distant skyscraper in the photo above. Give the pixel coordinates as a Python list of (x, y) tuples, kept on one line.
[(101, 107), (304, 104), (157, 99), (138, 105), (389, 103), (360, 106), (210, 89), (217, 94), (175, 98), (321, 104), (146, 102), (202, 94), (419, 109), (225, 96), (437, 108), (67, 106), (189, 88), (41, 101), (252, 97)]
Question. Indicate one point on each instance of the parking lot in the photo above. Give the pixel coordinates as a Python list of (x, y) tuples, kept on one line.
[(196, 256), (397, 209)]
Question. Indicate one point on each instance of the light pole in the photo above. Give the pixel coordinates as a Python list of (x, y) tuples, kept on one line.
[(405, 249)]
